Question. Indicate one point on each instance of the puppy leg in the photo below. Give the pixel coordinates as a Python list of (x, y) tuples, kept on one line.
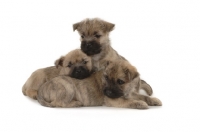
[(125, 103), (72, 104), (150, 101), (145, 86), (31, 93), (24, 90)]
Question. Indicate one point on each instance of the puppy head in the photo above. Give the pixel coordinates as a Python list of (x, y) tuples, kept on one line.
[(75, 64), (120, 78), (94, 35)]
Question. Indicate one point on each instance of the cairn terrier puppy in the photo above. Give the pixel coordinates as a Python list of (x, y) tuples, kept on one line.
[(95, 42), (75, 64), (111, 87)]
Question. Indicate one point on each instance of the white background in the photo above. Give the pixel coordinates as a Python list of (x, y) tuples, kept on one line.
[(160, 37)]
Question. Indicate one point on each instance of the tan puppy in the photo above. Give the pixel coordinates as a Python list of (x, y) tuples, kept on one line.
[(75, 64), (123, 83), (63, 91), (95, 42)]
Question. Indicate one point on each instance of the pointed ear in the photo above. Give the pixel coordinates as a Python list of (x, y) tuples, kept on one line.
[(75, 26), (107, 27), (59, 62)]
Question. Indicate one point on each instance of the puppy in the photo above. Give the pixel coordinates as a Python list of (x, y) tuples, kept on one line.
[(95, 43), (63, 91), (75, 64), (123, 83)]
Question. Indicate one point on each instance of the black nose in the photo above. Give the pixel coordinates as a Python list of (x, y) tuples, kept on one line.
[(79, 69), (113, 93), (107, 92), (89, 45)]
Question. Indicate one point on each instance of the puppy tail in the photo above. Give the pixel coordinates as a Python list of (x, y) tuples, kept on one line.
[(146, 87)]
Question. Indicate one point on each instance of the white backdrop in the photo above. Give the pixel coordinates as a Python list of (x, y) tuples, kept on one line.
[(160, 37)]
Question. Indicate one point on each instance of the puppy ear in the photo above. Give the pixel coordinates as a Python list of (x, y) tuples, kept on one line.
[(75, 26), (131, 73), (59, 62), (107, 27)]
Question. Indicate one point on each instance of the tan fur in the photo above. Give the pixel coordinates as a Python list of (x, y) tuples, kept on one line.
[(123, 70), (63, 91), (88, 28), (40, 76)]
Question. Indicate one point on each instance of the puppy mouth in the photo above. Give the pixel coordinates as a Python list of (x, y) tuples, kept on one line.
[(80, 73), (90, 52), (90, 48), (113, 93)]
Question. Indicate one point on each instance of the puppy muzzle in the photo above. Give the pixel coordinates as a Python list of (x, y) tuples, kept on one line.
[(80, 73), (113, 92), (90, 48)]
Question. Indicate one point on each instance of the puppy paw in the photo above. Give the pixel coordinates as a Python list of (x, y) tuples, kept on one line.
[(71, 104), (35, 97), (154, 102), (78, 104), (139, 105)]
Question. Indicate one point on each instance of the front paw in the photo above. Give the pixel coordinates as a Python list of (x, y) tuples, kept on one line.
[(139, 105), (154, 102), (78, 104)]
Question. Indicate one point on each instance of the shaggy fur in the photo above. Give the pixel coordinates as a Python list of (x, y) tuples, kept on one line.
[(95, 42), (75, 64), (63, 91)]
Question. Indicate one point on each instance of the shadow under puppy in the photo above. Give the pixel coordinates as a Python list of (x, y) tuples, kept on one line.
[(75, 64), (112, 87), (95, 42)]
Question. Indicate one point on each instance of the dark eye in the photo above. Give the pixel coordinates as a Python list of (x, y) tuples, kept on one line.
[(69, 65), (120, 82), (84, 62), (97, 36), (106, 77), (82, 36)]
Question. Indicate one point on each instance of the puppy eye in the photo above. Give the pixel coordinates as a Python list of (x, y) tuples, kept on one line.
[(106, 77), (82, 36), (97, 36), (84, 62), (69, 65), (120, 82)]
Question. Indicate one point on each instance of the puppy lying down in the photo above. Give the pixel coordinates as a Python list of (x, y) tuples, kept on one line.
[(75, 64), (116, 86)]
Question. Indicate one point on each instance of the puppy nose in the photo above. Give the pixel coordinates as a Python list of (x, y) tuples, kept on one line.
[(108, 92), (78, 71), (89, 45)]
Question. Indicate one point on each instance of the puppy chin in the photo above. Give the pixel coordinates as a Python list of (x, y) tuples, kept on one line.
[(91, 52)]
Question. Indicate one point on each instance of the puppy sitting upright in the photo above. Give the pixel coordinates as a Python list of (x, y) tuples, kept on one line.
[(75, 64), (95, 42)]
